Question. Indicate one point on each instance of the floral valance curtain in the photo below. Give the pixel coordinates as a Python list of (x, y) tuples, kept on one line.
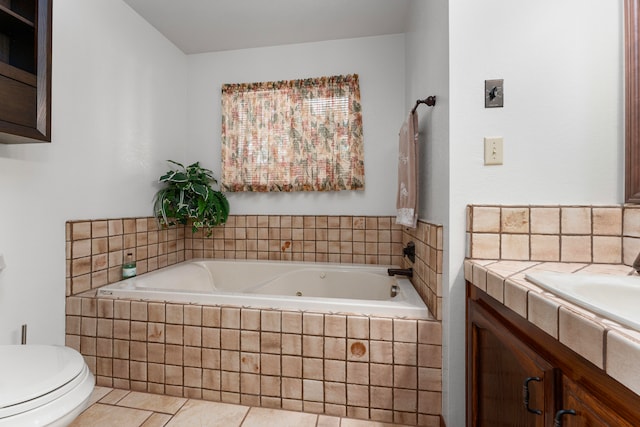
[(296, 135)]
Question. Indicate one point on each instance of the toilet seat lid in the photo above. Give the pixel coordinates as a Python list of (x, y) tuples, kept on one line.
[(30, 371)]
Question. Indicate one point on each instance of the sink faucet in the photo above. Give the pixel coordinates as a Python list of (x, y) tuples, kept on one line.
[(636, 264), (400, 272)]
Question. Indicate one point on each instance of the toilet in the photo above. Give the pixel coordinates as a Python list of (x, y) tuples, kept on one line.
[(42, 385)]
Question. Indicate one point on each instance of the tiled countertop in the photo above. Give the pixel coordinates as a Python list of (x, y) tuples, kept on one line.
[(608, 345)]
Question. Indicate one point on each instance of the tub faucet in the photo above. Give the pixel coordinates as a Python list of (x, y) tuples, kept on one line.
[(400, 272)]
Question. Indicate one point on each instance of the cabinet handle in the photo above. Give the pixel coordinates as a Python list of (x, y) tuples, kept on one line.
[(525, 395), (559, 414)]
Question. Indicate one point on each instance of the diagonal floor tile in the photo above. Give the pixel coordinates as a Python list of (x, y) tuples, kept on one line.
[(208, 414), (100, 415), (265, 417), (152, 402)]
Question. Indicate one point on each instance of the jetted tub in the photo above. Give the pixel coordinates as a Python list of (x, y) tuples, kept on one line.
[(322, 287)]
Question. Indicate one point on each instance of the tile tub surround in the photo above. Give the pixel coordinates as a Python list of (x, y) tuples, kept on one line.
[(96, 248), (611, 347), (376, 368), (109, 407), (585, 234), (427, 268)]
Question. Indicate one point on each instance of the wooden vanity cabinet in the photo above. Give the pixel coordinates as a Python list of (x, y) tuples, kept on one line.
[(25, 71), (517, 375), (589, 411), (503, 372)]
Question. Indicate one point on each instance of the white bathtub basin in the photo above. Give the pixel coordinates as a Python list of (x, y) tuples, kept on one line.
[(284, 285), (614, 297)]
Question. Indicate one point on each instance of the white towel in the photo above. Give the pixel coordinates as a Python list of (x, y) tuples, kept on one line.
[(407, 199)]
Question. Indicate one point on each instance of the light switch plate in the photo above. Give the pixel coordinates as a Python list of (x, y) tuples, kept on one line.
[(494, 93), (493, 150)]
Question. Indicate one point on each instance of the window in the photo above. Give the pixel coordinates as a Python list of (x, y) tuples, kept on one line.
[(296, 135)]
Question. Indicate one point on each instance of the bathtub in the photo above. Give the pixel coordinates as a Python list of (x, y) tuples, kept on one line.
[(319, 287)]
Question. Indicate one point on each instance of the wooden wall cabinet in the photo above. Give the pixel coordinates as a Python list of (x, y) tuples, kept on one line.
[(25, 71), (517, 375)]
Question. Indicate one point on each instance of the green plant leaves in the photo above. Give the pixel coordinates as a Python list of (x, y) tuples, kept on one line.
[(188, 195)]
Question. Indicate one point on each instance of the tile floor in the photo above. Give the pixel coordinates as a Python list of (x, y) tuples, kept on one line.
[(123, 408)]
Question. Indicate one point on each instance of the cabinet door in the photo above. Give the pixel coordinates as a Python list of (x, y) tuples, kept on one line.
[(25, 71), (502, 367), (589, 411)]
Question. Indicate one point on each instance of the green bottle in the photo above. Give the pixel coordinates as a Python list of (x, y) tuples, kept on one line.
[(129, 267)]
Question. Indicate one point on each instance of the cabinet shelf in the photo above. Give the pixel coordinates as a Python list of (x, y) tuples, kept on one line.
[(18, 74), (10, 19)]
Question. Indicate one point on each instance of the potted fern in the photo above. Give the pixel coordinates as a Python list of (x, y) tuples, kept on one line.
[(188, 195)]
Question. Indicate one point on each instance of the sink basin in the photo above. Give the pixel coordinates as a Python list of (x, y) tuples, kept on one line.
[(614, 297)]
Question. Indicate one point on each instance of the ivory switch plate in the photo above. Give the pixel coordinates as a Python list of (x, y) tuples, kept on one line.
[(493, 150)]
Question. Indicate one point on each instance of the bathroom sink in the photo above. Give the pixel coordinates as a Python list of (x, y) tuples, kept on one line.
[(614, 297)]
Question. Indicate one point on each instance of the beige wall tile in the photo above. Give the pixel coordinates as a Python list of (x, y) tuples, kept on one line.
[(335, 348), (429, 332), (485, 219), (358, 327), (429, 379), (515, 220), (485, 246), (429, 356), (291, 344), (631, 221), (575, 249), (335, 325), (80, 230), (357, 395), (270, 320), (545, 247), (381, 351), (312, 346), (607, 249), (405, 330), (291, 322), (230, 318), (405, 400), (381, 328), (515, 246), (575, 220), (270, 342), (405, 353), (250, 319), (193, 315), (545, 220), (312, 323), (607, 221), (630, 249)]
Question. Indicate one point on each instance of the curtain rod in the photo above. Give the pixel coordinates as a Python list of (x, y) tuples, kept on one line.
[(430, 101)]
